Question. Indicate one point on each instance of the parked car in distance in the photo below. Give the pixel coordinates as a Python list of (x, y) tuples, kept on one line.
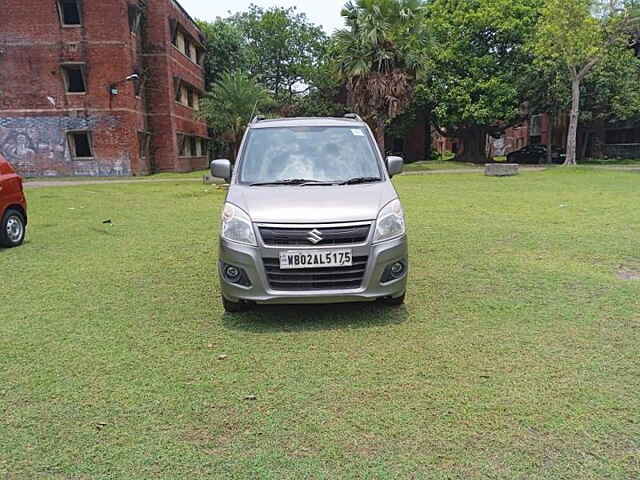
[(13, 207), (311, 216), (535, 154)]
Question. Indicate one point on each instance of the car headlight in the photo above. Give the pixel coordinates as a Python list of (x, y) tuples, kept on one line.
[(236, 225), (390, 222)]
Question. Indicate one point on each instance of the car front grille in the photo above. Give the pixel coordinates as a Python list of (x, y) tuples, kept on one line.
[(345, 235), (337, 278)]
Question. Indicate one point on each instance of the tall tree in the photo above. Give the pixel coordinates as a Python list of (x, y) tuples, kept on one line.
[(283, 46), (475, 68), (226, 49), (373, 58), (231, 104), (578, 35), (322, 97)]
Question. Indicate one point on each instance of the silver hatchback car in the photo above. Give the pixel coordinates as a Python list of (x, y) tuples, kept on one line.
[(311, 216)]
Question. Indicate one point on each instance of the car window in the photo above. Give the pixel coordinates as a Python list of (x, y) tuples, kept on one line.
[(314, 153)]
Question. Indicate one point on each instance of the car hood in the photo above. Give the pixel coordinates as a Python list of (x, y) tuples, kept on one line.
[(312, 204)]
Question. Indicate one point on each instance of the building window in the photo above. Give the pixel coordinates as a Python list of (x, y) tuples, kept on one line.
[(202, 147), (70, 12), (177, 84), (185, 43), (191, 146), (135, 18), (80, 145), (193, 54), (180, 42), (190, 97), (182, 140), (535, 125), (74, 78), (186, 94)]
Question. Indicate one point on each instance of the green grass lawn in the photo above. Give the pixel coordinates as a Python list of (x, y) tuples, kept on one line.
[(612, 161), (438, 165), (516, 355), (169, 176)]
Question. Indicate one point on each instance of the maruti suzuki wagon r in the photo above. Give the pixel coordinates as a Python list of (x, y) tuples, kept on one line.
[(311, 216)]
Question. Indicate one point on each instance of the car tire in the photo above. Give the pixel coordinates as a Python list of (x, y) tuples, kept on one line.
[(13, 229), (394, 302), (235, 307)]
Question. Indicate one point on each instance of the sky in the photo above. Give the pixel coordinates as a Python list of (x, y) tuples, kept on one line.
[(325, 13)]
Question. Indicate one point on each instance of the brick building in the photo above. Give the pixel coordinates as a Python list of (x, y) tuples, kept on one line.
[(539, 129), (596, 139), (107, 87), (414, 145)]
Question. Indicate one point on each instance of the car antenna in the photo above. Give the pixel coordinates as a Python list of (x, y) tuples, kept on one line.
[(256, 118)]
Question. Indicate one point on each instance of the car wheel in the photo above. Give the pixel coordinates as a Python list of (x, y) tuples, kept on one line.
[(12, 229), (394, 302), (235, 307)]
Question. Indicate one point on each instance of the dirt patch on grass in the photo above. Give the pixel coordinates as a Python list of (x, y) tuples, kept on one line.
[(625, 273), (367, 445), (212, 443), (217, 436)]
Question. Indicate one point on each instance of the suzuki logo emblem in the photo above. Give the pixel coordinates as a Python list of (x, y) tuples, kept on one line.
[(315, 236)]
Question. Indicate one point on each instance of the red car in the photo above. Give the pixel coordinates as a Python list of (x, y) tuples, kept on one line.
[(13, 207)]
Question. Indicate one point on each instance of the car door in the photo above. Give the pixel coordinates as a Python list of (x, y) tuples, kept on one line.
[(10, 186)]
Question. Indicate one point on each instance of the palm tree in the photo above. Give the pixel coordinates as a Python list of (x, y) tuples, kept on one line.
[(373, 59), (231, 104)]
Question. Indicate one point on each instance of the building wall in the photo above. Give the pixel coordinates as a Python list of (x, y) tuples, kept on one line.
[(36, 112), (539, 129), (416, 148), (444, 145), (166, 63), (515, 138)]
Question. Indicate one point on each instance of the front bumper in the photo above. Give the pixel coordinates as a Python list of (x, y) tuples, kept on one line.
[(250, 260)]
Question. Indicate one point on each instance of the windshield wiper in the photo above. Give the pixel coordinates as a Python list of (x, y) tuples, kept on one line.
[(292, 181), (356, 180)]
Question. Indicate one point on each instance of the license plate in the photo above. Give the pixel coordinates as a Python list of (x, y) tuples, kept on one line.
[(315, 258)]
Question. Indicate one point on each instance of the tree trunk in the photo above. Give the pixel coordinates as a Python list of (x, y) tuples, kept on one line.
[(474, 142), (428, 139), (586, 138), (549, 138), (235, 148), (379, 133), (573, 122)]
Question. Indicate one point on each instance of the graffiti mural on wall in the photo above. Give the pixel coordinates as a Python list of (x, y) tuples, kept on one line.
[(498, 146), (37, 146)]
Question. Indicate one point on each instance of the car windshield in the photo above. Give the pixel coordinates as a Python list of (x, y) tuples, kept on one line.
[(308, 155)]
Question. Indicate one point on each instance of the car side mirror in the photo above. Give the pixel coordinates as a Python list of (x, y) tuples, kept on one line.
[(221, 169), (394, 165)]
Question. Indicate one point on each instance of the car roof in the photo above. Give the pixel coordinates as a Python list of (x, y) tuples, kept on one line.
[(306, 122)]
